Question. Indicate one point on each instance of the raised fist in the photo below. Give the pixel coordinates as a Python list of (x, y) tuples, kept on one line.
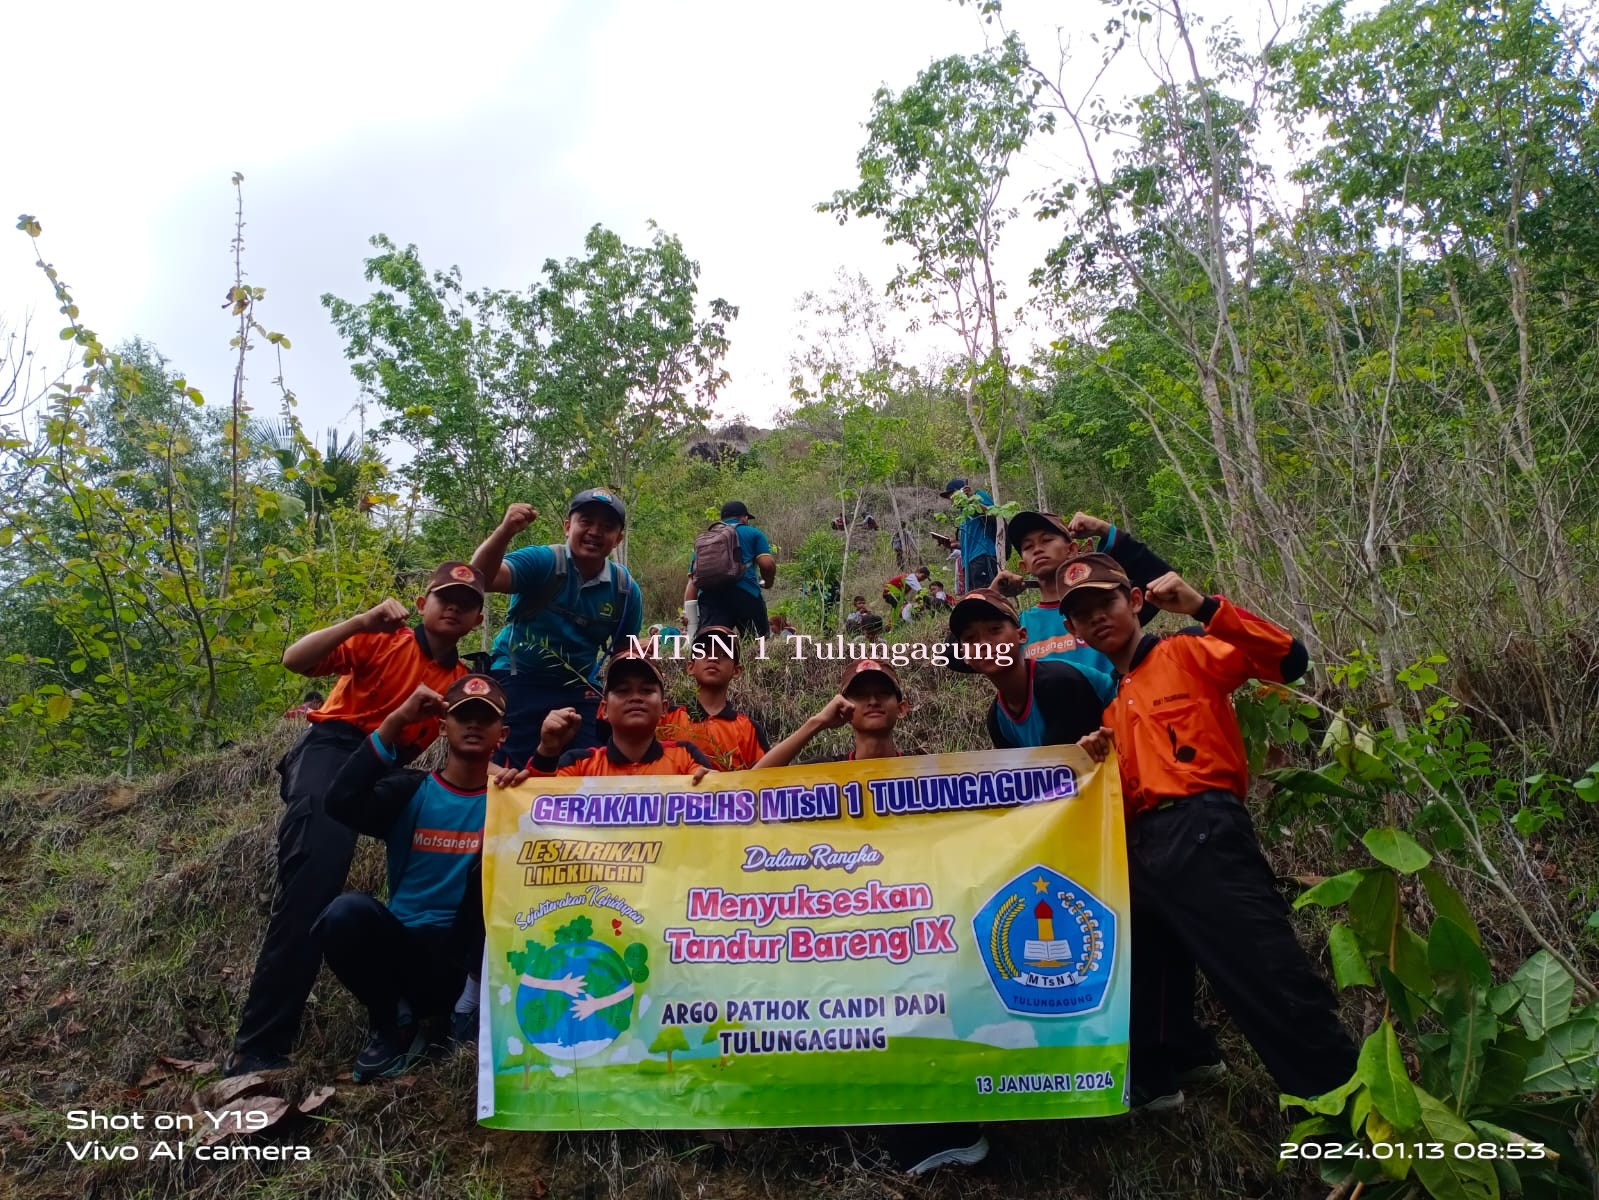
[(518, 517), (1008, 583), (424, 702), (385, 616), (1083, 525), (1172, 593), (559, 728), (836, 713)]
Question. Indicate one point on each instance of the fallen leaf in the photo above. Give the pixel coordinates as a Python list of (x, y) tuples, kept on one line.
[(275, 1108), (316, 1099), (1308, 881), (189, 1066), (224, 1091), (540, 1189), (59, 1007), (133, 1093), (74, 1028), (405, 1081)]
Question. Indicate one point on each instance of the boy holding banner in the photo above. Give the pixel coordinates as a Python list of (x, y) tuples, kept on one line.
[(732, 739), (1202, 892)]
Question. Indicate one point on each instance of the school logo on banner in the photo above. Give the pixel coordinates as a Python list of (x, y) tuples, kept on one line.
[(1048, 944)]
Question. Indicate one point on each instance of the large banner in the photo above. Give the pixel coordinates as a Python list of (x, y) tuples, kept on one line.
[(893, 940)]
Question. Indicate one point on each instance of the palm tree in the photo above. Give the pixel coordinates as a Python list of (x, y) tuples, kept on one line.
[(320, 480)]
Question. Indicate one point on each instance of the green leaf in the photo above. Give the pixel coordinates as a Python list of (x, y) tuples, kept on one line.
[(1546, 991), (1382, 1069), (1504, 997), (1446, 902), (1373, 909), (56, 708), (1503, 1072), (1349, 961), (1332, 891), (1410, 961), (1471, 1028), (1328, 1104), (1397, 849), (1456, 961), (1314, 783), (1451, 1177), (1566, 1059)]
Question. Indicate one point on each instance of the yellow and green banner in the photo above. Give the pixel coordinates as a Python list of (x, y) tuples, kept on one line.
[(885, 941)]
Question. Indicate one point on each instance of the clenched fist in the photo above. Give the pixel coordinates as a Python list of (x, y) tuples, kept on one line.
[(559, 728), (1083, 525), (518, 517), (424, 702), (385, 617), (1008, 583), (1172, 593), (835, 714)]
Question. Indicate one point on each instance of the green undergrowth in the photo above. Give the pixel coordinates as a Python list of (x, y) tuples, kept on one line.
[(132, 919)]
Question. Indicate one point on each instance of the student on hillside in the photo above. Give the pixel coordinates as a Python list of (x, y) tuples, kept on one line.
[(379, 660), (406, 960), (731, 739), (862, 620), (1036, 702), (1202, 892), (901, 593), (731, 565), (871, 702), (571, 606), (938, 598), (978, 549), (1046, 543), (635, 701)]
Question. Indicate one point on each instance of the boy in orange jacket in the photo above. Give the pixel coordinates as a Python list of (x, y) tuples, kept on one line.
[(1202, 892)]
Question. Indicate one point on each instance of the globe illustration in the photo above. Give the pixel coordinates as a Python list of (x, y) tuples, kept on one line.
[(546, 1016)]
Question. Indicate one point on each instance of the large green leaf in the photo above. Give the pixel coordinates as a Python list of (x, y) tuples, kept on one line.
[(1315, 783), (1373, 908), (1452, 1177), (1471, 1027), (1334, 890), (1566, 1059), (1456, 961), (1395, 848), (1446, 902), (1503, 1072), (1382, 1069), (1546, 991), (1348, 959)]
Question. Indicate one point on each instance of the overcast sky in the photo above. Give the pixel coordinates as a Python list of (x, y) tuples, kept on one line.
[(490, 135)]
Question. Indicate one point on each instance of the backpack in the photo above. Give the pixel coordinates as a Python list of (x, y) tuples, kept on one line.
[(556, 584), (718, 557)]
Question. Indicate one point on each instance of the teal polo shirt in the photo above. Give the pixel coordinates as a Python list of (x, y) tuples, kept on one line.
[(564, 644)]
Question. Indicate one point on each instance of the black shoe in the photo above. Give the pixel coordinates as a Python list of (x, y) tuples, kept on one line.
[(239, 1062), (917, 1149), (389, 1051)]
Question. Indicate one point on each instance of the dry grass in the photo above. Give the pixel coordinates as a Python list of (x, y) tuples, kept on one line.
[(130, 928)]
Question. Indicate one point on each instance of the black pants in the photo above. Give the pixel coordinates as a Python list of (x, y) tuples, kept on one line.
[(528, 702), (1204, 896), (735, 608), (980, 572), (383, 961), (314, 853)]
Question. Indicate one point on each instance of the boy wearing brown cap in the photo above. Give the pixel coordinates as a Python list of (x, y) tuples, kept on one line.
[(1046, 542), (406, 960), (732, 739), (634, 702), (1202, 892), (1036, 702), (571, 606), (380, 660)]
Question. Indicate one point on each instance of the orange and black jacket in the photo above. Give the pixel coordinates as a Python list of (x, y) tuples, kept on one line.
[(733, 740), (1176, 732), (662, 758)]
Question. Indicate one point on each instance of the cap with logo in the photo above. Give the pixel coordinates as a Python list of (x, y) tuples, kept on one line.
[(600, 496), (630, 663), (724, 636), (734, 509), (456, 574), (982, 604), (869, 666), (479, 688), (953, 486), (1090, 573)]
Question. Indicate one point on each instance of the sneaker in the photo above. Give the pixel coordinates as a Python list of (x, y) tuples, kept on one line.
[(239, 1062), (389, 1052), (1142, 1101), (1203, 1075), (917, 1149)]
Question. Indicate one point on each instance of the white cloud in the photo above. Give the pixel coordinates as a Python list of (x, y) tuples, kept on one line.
[(560, 1070), (633, 1051)]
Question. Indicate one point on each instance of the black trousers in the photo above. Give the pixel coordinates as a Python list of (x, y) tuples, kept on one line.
[(528, 702), (383, 962), (1203, 896), (980, 572), (314, 853), (735, 608)]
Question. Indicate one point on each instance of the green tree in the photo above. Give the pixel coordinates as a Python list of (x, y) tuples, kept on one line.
[(669, 1041)]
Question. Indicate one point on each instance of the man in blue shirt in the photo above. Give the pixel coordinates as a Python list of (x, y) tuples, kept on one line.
[(571, 607), (738, 605), (1046, 542), (406, 960), (979, 554)]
